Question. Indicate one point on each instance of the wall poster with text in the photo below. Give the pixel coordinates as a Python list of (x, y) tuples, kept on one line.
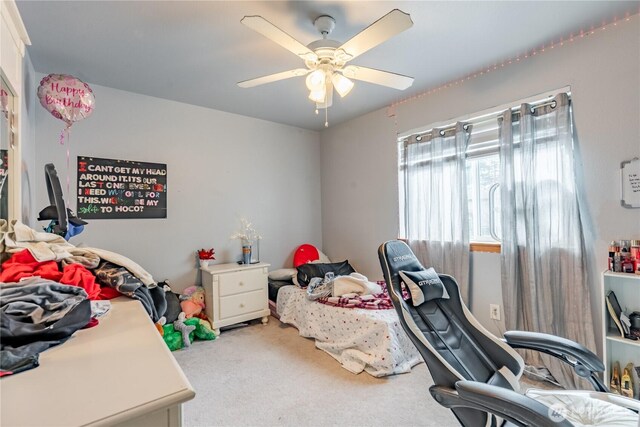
[(115, 189)]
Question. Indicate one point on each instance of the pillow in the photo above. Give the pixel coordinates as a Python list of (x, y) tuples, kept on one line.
[(283, 274), (323, 258), (424, 285), (306, 272)]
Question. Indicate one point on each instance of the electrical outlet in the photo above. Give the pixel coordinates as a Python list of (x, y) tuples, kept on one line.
[(494, 311)]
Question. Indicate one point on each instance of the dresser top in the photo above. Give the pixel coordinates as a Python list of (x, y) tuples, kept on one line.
[(234, 266), (113, 372)]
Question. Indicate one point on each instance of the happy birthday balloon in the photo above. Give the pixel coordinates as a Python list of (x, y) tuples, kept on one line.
[(66, 97)]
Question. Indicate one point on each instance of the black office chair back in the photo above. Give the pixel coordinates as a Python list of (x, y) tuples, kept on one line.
[(452, 343)]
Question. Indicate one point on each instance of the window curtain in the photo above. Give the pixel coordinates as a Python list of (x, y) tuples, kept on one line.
[(545, 283), (434, 201)]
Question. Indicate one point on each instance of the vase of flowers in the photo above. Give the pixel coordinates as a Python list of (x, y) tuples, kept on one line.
[(248, 235), (205, 256)]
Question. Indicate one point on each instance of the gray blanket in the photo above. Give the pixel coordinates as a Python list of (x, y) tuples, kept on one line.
[(36, 314), (152, 299)]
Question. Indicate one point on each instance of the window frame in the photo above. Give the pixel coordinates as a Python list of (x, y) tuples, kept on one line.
[(477, 149)]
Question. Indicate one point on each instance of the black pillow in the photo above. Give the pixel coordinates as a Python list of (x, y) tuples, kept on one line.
[(173, 303), (424, 285), (308, 271)]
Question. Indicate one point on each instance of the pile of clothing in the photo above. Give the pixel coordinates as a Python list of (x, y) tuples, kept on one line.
[(46, 286)]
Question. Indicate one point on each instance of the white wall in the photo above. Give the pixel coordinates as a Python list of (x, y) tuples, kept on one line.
[(359, 176), (220, 166)]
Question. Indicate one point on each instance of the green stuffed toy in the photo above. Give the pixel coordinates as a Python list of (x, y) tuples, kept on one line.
[(172, 338), (203, 331), (175, 339)]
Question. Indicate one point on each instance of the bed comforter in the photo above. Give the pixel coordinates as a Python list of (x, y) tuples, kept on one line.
[(361, 340)]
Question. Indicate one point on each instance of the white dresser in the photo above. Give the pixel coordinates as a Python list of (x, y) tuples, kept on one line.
[(236, 293), (119, 373)]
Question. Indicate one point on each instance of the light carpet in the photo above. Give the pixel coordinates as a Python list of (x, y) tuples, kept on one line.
[(268, 375)]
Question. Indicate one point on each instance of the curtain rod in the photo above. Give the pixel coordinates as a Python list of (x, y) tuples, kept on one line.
[(537, 101), (515, 111)]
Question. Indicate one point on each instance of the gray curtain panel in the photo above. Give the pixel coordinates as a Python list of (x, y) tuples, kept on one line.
[(545, 283), (433, 200)]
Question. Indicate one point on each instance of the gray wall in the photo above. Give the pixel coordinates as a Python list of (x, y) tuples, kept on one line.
[(359, 176), (220, 166)]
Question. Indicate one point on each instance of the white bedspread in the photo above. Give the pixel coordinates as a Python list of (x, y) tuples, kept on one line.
[(361, 340)]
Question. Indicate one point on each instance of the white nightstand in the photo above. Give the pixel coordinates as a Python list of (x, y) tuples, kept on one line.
[(235, 293)]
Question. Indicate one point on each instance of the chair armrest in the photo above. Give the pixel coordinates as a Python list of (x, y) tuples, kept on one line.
[(584, 361), (553, 344), (510, 405)]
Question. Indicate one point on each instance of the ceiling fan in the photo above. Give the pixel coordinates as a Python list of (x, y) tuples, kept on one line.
[(326, 60)]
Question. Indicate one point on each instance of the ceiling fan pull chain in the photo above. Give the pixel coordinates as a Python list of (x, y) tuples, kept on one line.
[(326, 117)]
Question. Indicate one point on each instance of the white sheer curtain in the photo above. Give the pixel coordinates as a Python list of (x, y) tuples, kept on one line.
[(433, 201), (545, 284)]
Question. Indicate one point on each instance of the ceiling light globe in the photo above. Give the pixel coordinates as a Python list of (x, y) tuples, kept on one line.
[(342, 84), (318, 96), (316, 80)]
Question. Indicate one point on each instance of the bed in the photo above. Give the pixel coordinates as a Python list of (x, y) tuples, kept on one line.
[(360, 339)]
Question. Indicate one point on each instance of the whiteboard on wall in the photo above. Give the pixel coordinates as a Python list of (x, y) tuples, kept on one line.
[(630, 174)]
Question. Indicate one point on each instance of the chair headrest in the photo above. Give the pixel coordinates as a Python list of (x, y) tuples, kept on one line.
[(424, 285), (400, 257), (51, 212)]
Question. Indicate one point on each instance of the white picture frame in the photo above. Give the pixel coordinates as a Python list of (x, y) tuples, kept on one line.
[(630, 183)]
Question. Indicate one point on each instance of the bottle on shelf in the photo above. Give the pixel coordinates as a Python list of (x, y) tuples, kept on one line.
[(626, 382), (614, 385), (624, 256), (617, 262), (635, 254)]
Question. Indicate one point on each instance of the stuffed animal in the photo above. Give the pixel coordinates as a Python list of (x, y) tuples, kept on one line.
[(160, 325), (192, 302), (203, 329), (180, 326), (184, 330), (172, 338)]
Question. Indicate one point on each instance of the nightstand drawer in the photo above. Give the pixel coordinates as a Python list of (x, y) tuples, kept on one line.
[(242, 281), (236, 305)]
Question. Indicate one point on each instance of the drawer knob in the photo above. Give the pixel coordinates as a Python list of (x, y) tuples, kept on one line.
[(241, 305), (241, 283)]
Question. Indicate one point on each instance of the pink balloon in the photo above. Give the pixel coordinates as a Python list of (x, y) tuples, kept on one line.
[(66, 97)]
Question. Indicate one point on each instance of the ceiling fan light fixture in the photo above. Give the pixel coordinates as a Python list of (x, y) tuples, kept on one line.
[(327, 101), (342, 84), (318, 96), (316, 81), (326, 60)]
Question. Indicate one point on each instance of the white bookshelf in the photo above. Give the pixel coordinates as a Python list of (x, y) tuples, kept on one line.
[(616, 348)]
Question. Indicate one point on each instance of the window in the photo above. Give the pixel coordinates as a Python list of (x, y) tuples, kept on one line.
[(482, 175), (483, 188), (483, 168)]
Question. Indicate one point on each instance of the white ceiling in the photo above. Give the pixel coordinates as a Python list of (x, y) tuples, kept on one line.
[(195, 52)]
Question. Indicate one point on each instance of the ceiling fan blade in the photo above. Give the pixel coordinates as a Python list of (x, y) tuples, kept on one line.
[(298, 72), (384, 78), (380, 31), (270, 31)]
